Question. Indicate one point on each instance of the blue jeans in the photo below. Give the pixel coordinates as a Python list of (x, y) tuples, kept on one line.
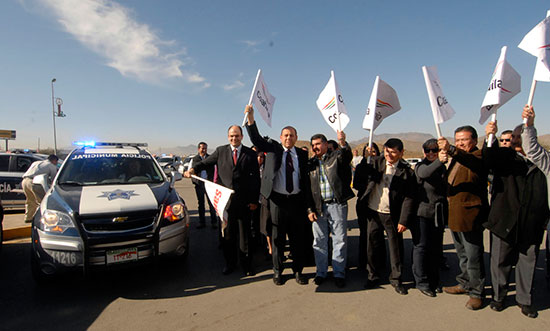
[(332, 221)]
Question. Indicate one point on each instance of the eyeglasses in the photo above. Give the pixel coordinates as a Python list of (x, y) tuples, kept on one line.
[(505, 140), (433, 150)]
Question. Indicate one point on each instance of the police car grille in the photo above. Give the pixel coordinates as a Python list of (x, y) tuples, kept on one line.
[(119, 222)]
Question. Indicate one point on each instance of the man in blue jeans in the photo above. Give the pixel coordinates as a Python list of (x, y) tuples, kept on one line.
[(327, 205)]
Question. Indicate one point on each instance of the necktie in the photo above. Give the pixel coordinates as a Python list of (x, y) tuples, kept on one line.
[(289, 169), (235, 156)]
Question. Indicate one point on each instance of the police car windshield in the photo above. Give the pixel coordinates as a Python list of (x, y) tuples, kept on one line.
[(108, 169)]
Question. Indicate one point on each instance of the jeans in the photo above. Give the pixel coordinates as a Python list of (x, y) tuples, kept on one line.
[(469, 248), (332, 221)]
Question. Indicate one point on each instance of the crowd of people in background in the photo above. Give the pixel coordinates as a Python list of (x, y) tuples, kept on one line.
[(283, 193)]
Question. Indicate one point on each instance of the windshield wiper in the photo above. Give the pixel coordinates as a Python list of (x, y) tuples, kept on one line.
[(71, 182)]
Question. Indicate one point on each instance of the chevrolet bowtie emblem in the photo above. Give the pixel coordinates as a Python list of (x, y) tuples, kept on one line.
[(119, 219)]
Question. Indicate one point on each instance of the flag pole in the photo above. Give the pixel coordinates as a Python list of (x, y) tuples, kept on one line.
[(370, 144), (252, 94), (336, 92), (491, 136), (207, 181)]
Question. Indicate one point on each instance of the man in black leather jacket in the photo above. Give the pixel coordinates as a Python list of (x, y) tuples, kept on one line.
[(327, 205)]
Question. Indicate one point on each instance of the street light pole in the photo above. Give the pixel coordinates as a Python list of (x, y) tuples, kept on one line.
[(53, 116)]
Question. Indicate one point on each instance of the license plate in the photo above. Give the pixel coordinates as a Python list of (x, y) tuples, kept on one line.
[(122, 255)]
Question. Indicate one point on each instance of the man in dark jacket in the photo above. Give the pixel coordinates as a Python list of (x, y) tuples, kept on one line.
[(285, 183), (518, 216), (327, 205), (208, 173), (238, 170), (389, 201)]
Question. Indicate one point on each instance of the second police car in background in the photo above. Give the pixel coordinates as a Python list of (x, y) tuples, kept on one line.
[(110, 204)]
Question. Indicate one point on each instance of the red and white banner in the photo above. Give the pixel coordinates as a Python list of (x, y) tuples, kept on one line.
[(219, 197)]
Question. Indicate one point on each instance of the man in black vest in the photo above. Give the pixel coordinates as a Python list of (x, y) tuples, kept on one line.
[(237, 170), (285, 183)]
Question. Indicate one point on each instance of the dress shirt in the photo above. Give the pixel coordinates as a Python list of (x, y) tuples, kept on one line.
[(279, 182), (238, 151), (40, 168), (379, 199)]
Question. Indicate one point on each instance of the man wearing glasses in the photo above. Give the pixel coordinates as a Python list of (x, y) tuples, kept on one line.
[(505, 139)]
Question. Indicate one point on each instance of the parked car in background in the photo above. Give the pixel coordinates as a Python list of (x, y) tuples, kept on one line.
[(12, 168), (170, 161), (187, 163)]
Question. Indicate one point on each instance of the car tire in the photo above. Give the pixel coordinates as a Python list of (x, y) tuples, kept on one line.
[(39, 277)]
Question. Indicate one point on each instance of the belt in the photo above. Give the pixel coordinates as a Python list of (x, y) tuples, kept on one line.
[(330, 201), (286, 196)]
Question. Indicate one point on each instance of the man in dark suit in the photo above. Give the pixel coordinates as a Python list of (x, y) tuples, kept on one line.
[(237, 170), (208, 173), (389, 203), (285, 183)]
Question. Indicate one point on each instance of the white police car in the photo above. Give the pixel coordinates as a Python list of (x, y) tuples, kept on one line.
[(110, 204)]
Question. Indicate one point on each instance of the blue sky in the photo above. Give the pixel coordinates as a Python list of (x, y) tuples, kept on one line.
[(173, 72)]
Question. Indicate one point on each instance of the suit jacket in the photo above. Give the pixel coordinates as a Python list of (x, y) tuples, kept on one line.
[(402, 189), (467, 191), (273, 159), (243, 178), (209, 170)]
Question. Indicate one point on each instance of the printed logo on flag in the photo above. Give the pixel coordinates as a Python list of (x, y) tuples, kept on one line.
[(382, 104), (331, 104)]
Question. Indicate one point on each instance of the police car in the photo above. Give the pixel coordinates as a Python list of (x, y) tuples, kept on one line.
[(110, 204), (12, 168)]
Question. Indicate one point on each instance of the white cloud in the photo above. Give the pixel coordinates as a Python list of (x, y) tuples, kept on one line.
[(133, 48), (236, 84)]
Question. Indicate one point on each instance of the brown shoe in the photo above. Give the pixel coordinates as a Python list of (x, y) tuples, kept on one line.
[(474, 303), (457, 289)]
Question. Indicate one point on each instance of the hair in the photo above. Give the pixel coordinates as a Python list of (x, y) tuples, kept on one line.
[(52, 157), (203, 143), (289, 127), (394, 143), (333, 144), (429, 142), (318, 136), (374, 146), (467, 128), (506, 132), (235, 126)]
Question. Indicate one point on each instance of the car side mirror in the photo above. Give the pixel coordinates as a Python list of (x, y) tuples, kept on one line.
[(174, 176), (40, 185)]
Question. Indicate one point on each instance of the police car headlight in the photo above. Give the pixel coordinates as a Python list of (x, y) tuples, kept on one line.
[(174, 212), (56, 221)]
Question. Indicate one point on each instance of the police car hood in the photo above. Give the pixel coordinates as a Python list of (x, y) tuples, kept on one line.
[(102, 199)]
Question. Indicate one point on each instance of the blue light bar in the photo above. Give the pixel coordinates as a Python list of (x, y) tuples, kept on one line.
[(90, 143)]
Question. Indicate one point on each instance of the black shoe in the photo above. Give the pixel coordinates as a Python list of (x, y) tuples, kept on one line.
[(428, 293), (528, 311), (227, 270), (318, 280), (399, 288), (497, 305), (278, 280), (200, 226), (439, 289), (340, 282), (370, 284), (28, 221), (250, 271), (300, 279)]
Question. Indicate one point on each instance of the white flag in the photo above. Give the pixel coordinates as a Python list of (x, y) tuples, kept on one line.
[(219, 197), (383, 102), (332, 107), (441, 108), (537, 42), (505, 84), (262, 100)]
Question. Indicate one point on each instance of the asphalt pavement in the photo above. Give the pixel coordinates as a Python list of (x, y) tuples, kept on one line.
[(171, 294)]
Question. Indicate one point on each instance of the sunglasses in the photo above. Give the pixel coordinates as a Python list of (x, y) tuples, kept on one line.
[(505, 140), (433, 150)]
